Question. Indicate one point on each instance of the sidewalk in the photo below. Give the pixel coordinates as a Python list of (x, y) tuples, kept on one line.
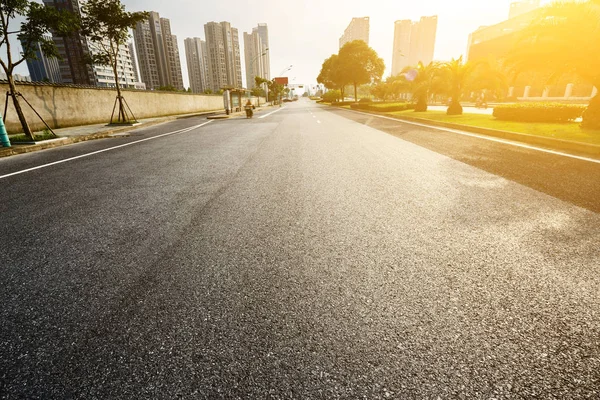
[(98, 131)]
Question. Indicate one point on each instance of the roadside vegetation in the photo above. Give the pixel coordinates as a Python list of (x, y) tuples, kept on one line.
[(564, 40), (37, 137), (28, 23), (566, 130)]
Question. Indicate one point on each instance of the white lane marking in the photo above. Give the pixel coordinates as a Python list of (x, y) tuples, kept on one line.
[(273, 112), (492, 139), (104, 150), (314, 116), (318, 122)]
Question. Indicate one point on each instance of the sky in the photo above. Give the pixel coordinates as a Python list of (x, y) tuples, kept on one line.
[(305, 33)]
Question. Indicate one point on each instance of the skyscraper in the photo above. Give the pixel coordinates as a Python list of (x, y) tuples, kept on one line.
[(158, 53), (44, 68), (263, 32), (358, 29), (223, 50), (414, 42), (75, 49), (136, 71), (195, 55), (256, 54)]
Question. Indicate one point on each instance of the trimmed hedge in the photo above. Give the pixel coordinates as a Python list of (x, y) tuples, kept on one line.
[(342, 103), (383, 107), (539, 112)]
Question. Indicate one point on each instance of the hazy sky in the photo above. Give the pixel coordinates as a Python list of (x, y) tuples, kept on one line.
[(304, 33)]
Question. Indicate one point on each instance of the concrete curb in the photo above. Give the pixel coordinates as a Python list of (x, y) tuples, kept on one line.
[(63, 141), (549, 143)]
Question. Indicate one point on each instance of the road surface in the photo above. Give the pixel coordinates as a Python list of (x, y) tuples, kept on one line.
[(308, 253)]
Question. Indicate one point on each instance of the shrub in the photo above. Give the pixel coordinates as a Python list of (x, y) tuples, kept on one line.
[(539, 112), (331, 96), (365, 100), (383, 107)]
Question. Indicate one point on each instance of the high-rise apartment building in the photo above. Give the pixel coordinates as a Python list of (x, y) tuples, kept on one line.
[(75, 49), (263, 32), (195, 55), (158, 53), (414, 42), (44, 69), (224, 61), (522, 7), (256, 54), (357, 30), (136, 72)]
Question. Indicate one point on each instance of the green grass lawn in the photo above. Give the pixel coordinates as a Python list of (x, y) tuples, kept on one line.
[(38, 137), (566, 131)]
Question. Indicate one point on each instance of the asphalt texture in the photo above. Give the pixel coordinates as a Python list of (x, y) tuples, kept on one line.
[(309, 254)]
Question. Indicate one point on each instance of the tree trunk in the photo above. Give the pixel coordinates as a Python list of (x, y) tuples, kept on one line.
[(18, 109), (355, 93), (455, 108), (591, 116), (421, 105), (122, 115)]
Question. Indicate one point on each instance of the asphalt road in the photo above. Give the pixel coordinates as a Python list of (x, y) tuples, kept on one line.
[(310, 254)]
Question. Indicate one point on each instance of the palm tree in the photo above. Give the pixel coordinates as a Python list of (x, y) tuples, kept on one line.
[(422, 81), (488, 76), (457, 76), (565, 38)]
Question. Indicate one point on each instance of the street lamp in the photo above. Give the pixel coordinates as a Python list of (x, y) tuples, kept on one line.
[(285, 70), (264, 53)]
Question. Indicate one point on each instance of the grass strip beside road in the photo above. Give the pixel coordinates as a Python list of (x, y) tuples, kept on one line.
[(565, 131)]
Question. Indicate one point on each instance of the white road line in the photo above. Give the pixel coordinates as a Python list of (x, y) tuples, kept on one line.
[(492, 139), (273, 112), (318, 122), (104, 150)]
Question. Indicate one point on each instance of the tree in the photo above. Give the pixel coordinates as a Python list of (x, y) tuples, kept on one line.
[(106, 24), (381, 90), (275, 89), (488, 76), (422, 81), (332, 75), (565, 38), (360, 64), (39, 21), (456, 75)]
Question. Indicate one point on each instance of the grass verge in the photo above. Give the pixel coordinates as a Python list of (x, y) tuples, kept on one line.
[(38, 137), (563, 130)]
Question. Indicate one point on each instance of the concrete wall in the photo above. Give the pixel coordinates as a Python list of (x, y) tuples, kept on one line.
[(64, 106)]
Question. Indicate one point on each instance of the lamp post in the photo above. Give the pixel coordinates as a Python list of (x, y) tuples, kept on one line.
[(281, 74), (264, 53)]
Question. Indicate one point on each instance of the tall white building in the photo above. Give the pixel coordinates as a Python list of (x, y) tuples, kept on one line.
[(357, 30), (256, 54), (414, 42), (158, 53), (195, 54), (74, 50), (223, 53)]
